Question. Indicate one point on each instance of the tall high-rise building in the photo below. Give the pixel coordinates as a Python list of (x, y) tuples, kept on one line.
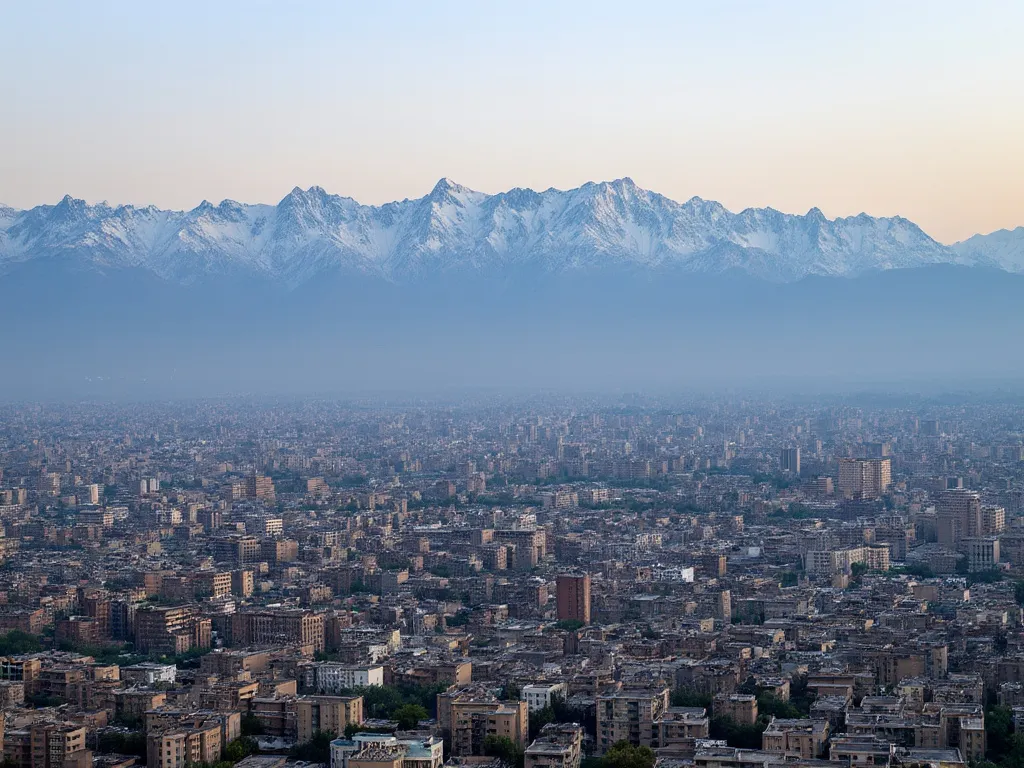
[(91, 494), (574, 597), (864, 478), (959, 516), (260, 487), (789, 460)]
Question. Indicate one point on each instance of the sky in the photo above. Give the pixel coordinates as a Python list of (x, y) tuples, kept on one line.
[(909, 108)]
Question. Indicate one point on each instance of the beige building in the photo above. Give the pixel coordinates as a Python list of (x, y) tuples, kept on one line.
[(864, 478), (958, 516), (45, 745), (177, 748), (468, 718), (212, 583), (831, 562), (741, 708), (326, 713), (804, 738)]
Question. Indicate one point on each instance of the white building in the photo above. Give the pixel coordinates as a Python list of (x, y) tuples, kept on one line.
[(538, 695), (149, 673), (331, 678), (680, 573)]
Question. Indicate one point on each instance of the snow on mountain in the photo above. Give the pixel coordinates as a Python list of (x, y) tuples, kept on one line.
[(1003, 249), (454, 228)]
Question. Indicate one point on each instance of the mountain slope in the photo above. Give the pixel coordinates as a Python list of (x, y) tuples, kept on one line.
[(1003, 249), (131, 333), (597, 226)]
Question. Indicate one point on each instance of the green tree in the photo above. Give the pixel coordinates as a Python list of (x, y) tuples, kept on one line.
[(409, 716), (573, 713), (770, 705), (687, 697), (316, 750), (511, 691), (239, 749), (508, 751), (539, 719), (123, 743), (736, 735), (999, 733), (799, 696), (16, 641), (251, 725), (625, 755), (353, 728)]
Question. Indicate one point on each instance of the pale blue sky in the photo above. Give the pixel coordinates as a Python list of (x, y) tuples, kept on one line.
[(914, 108)]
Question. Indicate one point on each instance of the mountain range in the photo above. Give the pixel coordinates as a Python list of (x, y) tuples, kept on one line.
[(607, 286), (455, 230)]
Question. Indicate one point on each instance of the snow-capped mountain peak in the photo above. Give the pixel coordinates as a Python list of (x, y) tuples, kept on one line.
[(1002, 249), (600, 224)]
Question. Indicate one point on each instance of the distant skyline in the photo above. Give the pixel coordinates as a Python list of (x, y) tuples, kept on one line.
[(908, 108)]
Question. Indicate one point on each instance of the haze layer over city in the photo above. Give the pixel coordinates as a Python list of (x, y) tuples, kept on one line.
[(512, 385)]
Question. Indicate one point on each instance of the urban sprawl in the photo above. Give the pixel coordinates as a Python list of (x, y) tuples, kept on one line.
[(547, 583)]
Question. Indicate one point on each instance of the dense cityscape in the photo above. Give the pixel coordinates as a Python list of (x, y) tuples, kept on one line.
[(542, 583)]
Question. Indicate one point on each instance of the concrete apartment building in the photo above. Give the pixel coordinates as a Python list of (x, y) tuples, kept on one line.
[(177, 748), (46, 745), (804, 738), (171, 629), (835, 561), (559, 745), (982, 553), (629, 714), (680, 727), (332, 678), (278, 626), (211, 583), (573, 596), (326, 713), (236, 549), (741, 708), (468, 718), (864, 478), (959, 516)]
